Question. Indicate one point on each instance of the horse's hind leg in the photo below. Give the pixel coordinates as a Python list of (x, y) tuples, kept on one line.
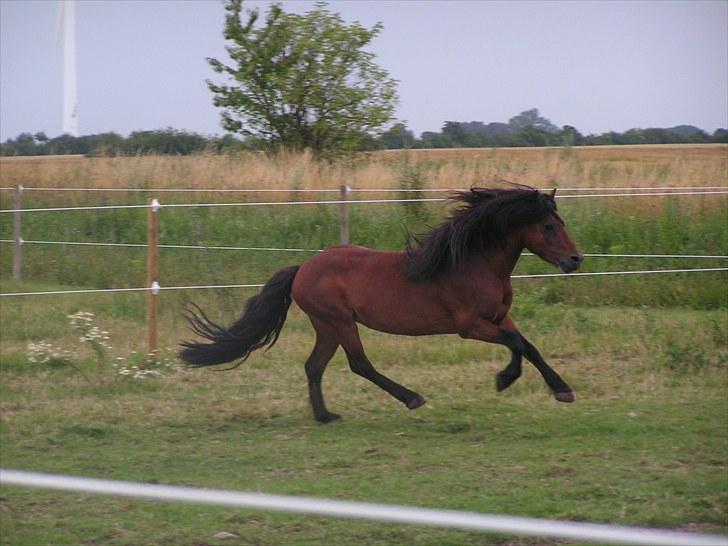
[(326, 345), (360, 365)]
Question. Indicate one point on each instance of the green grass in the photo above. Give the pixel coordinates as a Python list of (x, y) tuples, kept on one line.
[(645, 443)]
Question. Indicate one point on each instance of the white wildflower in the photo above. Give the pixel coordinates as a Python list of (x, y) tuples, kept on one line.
[(42, 352), (83, 321)]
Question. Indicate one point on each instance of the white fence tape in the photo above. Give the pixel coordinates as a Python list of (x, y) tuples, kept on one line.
[(581, 196), (187, 247), (602, 273), (605, 534), (236, 204), (113, 290), (274, 249), (339, 202), (225, 286), (337, 190)]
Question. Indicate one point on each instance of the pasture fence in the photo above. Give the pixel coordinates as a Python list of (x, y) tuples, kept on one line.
[(156, 288), (288, 249), (342, 201), (152, 274), (350, 189), (344, 214), (153, 287), (445, 519), (17, 257)]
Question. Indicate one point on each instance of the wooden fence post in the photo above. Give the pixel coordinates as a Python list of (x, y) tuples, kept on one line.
[(344, 215), (17, 253), (152, 270)]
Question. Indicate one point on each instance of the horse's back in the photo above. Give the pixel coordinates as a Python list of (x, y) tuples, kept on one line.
[(356, 283), (345, 270)]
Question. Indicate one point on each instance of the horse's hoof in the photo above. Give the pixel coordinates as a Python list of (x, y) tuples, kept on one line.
[(565, 396), (416, 402), (328, 418), (503, 381)]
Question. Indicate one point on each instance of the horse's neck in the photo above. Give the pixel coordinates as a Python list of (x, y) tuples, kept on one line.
[(502, 261)]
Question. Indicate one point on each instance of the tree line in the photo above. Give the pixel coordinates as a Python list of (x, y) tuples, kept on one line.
[(164, 141), (529, 129), (536, 131)]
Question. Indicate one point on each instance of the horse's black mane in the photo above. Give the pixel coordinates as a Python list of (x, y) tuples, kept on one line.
[(483, 222)]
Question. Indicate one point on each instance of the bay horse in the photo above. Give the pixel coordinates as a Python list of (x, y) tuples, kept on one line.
[(453, 280)]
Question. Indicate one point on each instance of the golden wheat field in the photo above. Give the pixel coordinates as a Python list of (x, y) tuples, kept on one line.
[(600, 166)]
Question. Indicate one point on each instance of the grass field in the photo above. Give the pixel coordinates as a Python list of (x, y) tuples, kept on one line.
[(665, 165), (645, 443)]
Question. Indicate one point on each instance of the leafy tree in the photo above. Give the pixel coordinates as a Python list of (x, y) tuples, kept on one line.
[(463, 134), (486, 132), (431, 139), (166, 141), (24, 144), (68, 144), (455, 132), (106, 144), (531, 118), (720, 135), (397, 137), (302, 81), (226, 144), (532, 136), (570, 136)]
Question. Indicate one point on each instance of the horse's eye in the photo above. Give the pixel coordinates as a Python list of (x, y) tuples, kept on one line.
[(549, 227)]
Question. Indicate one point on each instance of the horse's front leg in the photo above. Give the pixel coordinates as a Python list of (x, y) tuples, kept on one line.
[(504, 333), (562, 391), (508, 375)]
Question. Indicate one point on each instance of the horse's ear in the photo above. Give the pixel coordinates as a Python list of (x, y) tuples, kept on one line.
[(553, 193)]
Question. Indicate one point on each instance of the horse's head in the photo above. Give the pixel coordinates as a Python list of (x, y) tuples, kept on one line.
[(549, 240), (491, 220)]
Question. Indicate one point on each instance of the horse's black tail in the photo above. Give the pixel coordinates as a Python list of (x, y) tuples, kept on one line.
[(259, 326)]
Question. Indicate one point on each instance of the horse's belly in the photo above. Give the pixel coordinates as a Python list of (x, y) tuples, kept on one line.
[(405, 314)]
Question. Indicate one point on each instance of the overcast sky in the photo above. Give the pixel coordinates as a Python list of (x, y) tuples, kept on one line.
[(596, 65)]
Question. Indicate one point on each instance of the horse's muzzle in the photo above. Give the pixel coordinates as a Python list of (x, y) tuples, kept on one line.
[(571, 263)]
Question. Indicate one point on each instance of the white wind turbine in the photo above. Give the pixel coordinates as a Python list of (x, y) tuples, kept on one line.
[(67, 27)]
